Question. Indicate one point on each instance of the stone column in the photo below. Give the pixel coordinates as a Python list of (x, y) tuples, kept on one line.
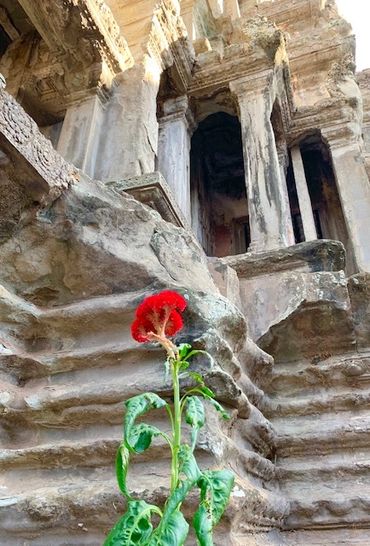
[(266, 191), (354, 191), (187, 15), (79, 138), (174, 150), (129, 141), (283, 161), (231, 9), (304, 199)]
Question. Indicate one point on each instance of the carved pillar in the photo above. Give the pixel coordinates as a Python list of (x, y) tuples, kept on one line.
[(354, 190), (304, 200), (129, 142), (175, 128), (267, 203), (79, 137)]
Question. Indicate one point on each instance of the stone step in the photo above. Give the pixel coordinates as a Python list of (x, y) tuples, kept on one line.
[(315, 505), (298, 378), (25, 366), (335, 536), (348, 465), (318, 401), (95, 502), (321, 434)]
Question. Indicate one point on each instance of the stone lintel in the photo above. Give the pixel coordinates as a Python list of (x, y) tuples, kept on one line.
[(152, 190), (252, 83), (43, 173), (320, 255), (238, 62), (334, 117)]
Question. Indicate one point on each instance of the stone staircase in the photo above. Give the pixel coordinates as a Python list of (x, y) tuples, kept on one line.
[(320, 413), (64, 376)]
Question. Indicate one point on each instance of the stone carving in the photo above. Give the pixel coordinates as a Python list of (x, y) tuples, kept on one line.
[(22, 133)]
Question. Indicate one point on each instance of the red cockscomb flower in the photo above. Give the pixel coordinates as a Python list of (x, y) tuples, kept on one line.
[(158, 317)]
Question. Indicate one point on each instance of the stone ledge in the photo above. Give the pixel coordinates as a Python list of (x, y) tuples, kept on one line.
[(153, 190), (320, 255)]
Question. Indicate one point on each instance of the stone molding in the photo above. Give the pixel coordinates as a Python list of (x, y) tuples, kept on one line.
[(153, 190), (20, 136)]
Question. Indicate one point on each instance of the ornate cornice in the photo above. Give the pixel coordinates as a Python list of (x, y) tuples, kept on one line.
[(83, 37), (21, 138)]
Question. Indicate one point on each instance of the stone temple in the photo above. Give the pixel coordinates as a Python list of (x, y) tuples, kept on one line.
[(220, 148)]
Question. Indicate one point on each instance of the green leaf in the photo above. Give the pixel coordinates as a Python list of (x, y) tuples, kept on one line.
[(215, 488), (174, 533), (188, 467), (184, 349), (219, 408), (208, 393), (137, 438), (172, 527), (122, 460), (196, 352), (194, 416), (196, 377), (135, 527), (187, 464)]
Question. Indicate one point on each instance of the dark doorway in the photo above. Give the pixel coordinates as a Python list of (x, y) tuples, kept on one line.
[(218, 193)]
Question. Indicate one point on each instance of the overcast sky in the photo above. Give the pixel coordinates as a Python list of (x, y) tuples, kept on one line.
[(357, 12)]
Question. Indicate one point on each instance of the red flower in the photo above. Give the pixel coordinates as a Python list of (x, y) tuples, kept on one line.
[(158, 317)]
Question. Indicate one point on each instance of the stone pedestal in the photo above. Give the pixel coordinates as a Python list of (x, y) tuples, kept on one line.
[(354, 191), (269, 213), (174, 150), (79, 137), (304, 199)]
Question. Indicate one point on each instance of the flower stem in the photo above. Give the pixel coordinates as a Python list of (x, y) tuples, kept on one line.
[(176, 426)]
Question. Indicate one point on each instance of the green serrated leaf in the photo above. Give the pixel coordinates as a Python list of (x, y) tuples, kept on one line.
[(194, 416), (215, 489), (122, 461), (137, 438), (219, 408), (135, 527)]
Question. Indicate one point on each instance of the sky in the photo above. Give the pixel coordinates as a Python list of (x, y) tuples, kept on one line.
[(357, 12)]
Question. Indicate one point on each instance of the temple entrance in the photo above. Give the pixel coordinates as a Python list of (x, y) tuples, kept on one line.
[(219, 206)]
